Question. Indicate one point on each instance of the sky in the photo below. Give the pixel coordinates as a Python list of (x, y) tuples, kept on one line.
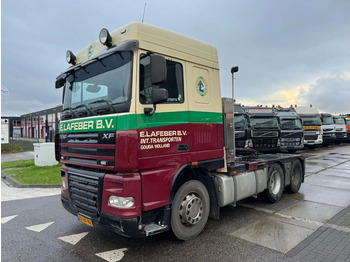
[(288, 52)]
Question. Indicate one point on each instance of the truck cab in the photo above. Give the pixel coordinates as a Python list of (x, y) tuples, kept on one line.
[(312, 125), (264, 128), (340, 129), (242, 128), (292, 132), (146, 140), (347, 123), (328, 129)]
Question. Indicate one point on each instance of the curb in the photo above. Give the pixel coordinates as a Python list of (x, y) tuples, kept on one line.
[(10, 181)]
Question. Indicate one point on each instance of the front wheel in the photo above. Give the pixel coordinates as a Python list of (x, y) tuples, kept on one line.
[(190, 210), (275, 184)]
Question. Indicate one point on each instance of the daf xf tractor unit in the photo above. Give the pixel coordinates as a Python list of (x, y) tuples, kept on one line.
[(292, 131), (147, 142), (328, 129), (312, 124)]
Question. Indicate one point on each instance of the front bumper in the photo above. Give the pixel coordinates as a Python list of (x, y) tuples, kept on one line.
[(128, 227)]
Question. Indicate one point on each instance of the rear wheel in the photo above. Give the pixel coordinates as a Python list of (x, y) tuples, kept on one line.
[(275, 184), (296, 177), (190, 210)]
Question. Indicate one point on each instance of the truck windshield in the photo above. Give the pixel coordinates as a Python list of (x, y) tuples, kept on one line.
[(240, 122), (327, 120), (101, 87), (264, 122), (311, 121), (291, 124), (339, 121)]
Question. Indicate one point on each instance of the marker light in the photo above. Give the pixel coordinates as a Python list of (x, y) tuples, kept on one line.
[(70, 57), (121, 202), (105, 37)]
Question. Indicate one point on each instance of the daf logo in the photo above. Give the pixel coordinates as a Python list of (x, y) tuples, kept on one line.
[(108, 135)]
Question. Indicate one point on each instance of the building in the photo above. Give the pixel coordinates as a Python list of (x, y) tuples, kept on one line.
[(41, 124)]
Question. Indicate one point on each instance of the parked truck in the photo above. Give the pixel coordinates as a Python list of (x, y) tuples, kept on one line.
[(347, 123), (242, 128), (265, 130), (340, 129), (328, 129), (312, 124), (292, 131), (146, 140)]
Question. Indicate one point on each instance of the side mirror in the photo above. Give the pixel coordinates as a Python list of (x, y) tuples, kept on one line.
[(159, 95), (60, 81), (158, 69)]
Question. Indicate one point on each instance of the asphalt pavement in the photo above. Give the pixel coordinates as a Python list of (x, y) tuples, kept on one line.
[(329, 241)]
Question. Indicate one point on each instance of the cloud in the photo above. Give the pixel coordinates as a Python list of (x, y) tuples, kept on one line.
[(331, 93)]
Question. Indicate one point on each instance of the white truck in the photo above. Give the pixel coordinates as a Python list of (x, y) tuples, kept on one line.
[(312, 124), (328, 129), (340, 129)]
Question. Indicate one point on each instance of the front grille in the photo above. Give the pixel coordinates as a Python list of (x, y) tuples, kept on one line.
[(265, 143), (94, 150), (291, 134), (262, 134), (83, 187), (310, 137)]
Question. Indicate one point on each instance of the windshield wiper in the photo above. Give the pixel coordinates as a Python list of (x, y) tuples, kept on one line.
[(71, 114), (111, 108), (88, 110)]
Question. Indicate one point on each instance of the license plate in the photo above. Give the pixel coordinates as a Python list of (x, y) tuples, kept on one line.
[(85, 220)]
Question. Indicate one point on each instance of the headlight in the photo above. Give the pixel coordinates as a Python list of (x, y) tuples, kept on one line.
[(70, 57), (121, 202), (105, 38)]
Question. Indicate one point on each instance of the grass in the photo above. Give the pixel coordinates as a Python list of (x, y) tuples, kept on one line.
[(18, 164), (18, 146), (26, 172)]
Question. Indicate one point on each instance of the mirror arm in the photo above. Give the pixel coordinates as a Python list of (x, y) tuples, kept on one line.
[(150, 111)]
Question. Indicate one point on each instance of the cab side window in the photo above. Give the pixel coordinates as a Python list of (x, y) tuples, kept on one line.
[(174, 82)]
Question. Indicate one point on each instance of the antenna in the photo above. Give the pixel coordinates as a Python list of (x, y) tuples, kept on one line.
[(144, 10)]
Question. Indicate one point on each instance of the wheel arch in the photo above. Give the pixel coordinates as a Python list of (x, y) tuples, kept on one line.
[(187, 173)]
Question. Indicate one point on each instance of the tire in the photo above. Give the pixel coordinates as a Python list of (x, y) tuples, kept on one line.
[(190, 210), (275, 184), (296, 177)]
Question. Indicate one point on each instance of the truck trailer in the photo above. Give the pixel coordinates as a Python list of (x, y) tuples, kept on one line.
[(147, 141)]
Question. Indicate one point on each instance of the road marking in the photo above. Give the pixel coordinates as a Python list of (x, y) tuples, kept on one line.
[(41, 227), (113, 255), (73, 239), (7, 219)]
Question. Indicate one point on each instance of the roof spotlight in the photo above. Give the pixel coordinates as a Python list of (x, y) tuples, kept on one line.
[(105, 37), (70, 57)]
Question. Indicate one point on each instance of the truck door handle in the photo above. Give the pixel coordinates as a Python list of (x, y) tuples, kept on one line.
[(181, 148)]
